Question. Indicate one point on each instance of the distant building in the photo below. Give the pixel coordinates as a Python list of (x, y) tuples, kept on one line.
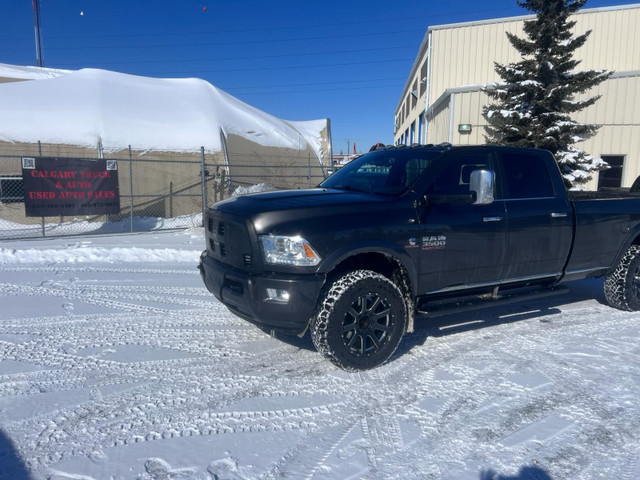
[(443, 97)]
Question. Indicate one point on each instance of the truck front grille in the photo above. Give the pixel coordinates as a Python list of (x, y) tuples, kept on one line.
[(229, 240)]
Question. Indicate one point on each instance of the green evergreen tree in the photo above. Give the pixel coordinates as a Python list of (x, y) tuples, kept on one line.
[(533, 103)]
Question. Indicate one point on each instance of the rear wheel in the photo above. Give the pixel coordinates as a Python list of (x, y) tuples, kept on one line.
[(359, 321), (622, 286)]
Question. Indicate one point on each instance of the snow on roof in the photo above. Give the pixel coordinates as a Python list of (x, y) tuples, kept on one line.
[(20, 72), (177, 115)]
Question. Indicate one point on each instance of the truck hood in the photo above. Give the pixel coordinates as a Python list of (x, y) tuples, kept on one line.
[(295, 199), (278, 210)]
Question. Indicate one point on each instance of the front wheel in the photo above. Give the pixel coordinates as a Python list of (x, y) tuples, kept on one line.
[(359, 321), (622, 286)]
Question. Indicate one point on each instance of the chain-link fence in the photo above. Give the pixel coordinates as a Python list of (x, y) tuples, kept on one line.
[(157, 191)]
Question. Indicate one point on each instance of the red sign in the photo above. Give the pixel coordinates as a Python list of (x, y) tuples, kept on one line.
[(70, 186)]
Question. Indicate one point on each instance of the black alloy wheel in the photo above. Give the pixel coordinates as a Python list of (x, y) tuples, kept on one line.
[(359, 321), (367, 325)]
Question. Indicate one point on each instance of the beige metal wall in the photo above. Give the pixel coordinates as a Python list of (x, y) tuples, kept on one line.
[(439, 124), (464, 54), (467, 109)]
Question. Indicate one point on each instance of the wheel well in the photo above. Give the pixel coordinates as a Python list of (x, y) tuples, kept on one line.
[(385, 265), (376, 262)]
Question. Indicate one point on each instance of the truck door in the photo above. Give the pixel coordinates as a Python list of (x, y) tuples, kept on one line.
[(461, 244), (539, 216)]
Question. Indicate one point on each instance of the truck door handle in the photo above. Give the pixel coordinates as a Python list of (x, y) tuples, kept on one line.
[(491, 219), (559, 214)]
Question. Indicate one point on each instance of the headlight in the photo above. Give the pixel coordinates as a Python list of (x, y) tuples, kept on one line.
[(282, 250)]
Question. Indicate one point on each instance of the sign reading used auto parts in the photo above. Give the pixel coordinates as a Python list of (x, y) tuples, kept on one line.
[(70, 186)]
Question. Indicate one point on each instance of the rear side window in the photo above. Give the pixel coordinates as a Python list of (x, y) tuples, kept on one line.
[(526, 176)]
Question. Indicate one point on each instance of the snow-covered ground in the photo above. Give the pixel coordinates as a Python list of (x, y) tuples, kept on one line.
[(116, 363)]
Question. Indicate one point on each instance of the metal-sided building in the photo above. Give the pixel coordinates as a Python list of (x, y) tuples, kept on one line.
[(443, 97)]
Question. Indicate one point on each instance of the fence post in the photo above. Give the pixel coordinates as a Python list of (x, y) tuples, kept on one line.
[(131, 189), (40, 154), (170, 199), (204, 185)]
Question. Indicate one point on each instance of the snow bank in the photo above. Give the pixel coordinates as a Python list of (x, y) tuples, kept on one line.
[(79, 226), (86, 254), (259, 188)]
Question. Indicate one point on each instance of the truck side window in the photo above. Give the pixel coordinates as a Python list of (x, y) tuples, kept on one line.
[(455, 176), (526, 176), (414, 167)]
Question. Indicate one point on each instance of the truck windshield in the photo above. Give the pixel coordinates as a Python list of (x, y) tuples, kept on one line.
[(384, 172)]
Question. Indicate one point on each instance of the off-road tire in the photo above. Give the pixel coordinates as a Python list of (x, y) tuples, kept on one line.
[(359, 321), (622, 286)]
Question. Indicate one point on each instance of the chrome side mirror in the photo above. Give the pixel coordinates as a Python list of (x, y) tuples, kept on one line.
[(482, 182)]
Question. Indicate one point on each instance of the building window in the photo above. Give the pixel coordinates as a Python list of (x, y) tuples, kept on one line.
[(423, 78), (414, 95), (11, 189), (611, 177)]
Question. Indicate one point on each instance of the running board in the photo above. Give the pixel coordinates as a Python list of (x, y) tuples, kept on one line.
[(438, 308)]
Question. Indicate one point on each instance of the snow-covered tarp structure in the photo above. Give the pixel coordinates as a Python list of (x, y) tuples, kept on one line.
[(90, 106), (98, 113)]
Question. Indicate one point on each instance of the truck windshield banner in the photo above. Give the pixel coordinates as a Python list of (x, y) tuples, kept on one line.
[(70, 186)]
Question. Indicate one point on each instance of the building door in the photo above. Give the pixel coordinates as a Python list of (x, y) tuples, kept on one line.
[(611, 177)]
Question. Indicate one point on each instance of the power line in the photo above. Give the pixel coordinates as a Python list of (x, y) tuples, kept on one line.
[(360, 81), (251, 57), (286, 92), (255, 69), (214, 44)]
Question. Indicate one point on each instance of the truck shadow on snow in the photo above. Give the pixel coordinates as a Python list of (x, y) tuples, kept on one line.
[(11, 465), (541, 308), (525, 473)]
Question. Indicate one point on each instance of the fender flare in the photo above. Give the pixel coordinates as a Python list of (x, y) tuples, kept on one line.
[(391, 250), (628, 241)]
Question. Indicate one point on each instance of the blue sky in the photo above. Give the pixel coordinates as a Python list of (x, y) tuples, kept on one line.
[(302, 60)]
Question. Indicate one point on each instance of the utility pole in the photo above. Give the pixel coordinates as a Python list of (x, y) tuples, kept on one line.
[(36, 24)]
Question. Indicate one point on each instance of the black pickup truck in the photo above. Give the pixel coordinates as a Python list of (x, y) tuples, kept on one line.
[(415, 230)]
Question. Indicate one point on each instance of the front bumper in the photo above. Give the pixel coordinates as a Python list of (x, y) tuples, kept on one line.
[(246, 295)]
